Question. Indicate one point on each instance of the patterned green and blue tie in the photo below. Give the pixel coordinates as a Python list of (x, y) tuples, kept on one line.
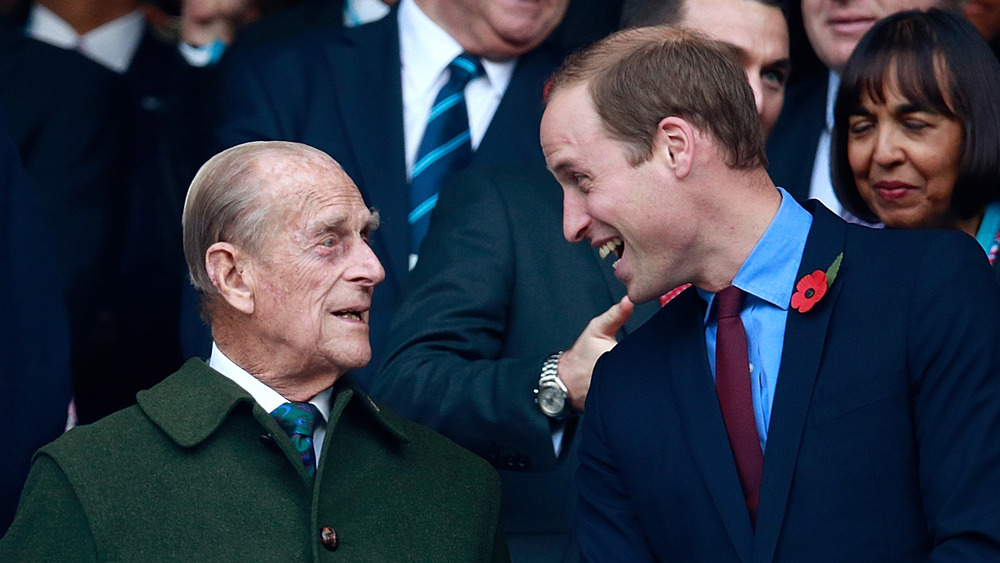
[(298, 421), (445, 148)]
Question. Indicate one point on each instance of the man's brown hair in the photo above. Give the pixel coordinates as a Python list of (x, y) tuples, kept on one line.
[(637, 77)]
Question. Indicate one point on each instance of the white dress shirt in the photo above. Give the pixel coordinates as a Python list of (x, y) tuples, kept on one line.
[(821, 186), (425, 50), (268, 398), (111, 45)]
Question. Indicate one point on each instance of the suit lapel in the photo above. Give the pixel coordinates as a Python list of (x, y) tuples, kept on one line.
[(701, 417), (366, 70), (513, 132), (805, 336)]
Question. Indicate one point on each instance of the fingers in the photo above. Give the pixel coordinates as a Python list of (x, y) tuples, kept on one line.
[(608, 322)]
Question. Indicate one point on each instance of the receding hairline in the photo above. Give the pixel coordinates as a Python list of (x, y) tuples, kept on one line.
[(252, 158)]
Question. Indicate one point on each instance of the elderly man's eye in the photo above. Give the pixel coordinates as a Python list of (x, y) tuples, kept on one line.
[(329, 242)]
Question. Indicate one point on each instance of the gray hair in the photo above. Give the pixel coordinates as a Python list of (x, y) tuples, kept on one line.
[(225, 204)]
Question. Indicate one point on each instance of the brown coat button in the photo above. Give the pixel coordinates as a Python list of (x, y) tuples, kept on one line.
[(328, 537)]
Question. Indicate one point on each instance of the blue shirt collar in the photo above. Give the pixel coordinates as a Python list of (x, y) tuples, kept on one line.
[(769, 271)]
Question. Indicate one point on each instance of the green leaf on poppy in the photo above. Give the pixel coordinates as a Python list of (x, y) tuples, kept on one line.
[(831, 272)]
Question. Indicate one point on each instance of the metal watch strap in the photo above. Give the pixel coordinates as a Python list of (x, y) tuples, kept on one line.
[(552, 388)]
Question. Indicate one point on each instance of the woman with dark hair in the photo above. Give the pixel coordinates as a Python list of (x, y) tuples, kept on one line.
[(917, 127)]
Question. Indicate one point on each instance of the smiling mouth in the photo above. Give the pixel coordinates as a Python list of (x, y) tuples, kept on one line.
[(616, 246), (851, 25), (892, 190)]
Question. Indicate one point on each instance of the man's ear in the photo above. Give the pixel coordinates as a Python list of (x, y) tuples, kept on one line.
[(675, 142), (227, 269)]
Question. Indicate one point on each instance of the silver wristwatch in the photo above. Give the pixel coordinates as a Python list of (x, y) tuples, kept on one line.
[(552, 395)]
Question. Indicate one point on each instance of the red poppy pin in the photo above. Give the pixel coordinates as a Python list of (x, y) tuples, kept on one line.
[(812, 287)]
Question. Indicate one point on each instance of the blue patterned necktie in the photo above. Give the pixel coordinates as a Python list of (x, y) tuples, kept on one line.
[(445, 148), (298, 420)]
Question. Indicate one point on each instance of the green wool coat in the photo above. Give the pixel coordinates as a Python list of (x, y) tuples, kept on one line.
[(198, 471)]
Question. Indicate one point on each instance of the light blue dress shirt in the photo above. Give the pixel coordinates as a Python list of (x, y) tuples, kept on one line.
[(988, 229), (768, 278)]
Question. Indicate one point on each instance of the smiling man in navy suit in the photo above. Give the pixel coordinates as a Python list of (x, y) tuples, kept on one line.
[(826, 392)]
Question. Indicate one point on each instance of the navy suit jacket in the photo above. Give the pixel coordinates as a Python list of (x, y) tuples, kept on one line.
[(791, 148), (882, 444), (340, 91), (34, 330)]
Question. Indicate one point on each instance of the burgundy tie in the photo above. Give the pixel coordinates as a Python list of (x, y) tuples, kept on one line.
[(732, 383)]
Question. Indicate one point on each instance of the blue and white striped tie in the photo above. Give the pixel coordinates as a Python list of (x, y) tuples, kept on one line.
[(445, 148)]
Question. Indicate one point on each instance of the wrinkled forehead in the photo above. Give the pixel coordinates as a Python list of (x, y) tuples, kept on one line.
[(308, 184)]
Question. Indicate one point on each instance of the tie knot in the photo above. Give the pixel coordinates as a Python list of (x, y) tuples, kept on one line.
[(297, 418), (464, 68), (729, 302)]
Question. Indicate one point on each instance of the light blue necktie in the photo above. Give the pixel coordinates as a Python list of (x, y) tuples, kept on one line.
[(445, 148)]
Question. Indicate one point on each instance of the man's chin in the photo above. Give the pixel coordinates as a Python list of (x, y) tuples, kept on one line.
[(348, 360), (639, 295)]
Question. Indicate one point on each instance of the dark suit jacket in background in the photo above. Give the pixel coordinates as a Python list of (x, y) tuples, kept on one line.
[(497, 289), (69, 118), (791, 148), (199, 471), (145, 288), (882, 444), (340, 91), (35, 385)]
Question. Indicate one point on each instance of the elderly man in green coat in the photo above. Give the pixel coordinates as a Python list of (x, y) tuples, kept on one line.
[(265, 453)]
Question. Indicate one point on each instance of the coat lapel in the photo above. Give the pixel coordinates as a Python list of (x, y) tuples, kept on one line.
[(698, 405), (805, 336), (366, 69)]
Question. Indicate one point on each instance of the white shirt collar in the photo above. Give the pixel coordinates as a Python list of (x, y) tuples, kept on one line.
[(832, 85), (111, 45), (425, 50), (266, 397), (358, 12)]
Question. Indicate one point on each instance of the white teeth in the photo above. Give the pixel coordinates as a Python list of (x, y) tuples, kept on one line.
[(614, 265), (609, 247), (349, 315)]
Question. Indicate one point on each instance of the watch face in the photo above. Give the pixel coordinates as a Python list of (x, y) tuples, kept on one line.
[(552, 400)]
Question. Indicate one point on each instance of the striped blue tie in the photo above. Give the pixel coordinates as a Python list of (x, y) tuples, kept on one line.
[(445, 147)]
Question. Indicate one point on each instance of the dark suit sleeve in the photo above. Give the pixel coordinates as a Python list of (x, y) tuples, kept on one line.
[(608, 528), (954, 327), (50, 524), (447, 367)]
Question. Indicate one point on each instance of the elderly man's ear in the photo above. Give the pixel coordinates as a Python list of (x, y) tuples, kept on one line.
[(228, 269)]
